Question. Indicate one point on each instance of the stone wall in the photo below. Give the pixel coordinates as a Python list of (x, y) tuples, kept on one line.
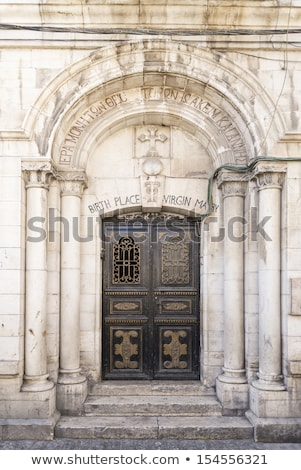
[(79, 84)]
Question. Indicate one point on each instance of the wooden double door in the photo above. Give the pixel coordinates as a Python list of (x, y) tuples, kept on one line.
[(150, 299)]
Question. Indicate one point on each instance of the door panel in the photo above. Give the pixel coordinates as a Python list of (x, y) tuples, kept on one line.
[(150, 300)]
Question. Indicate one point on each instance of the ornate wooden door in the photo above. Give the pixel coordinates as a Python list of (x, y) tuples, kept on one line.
[(151, 299)]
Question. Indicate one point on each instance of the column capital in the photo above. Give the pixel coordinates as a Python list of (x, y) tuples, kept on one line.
[(232, 183), (72, 182), (269, 175), (37, 173)]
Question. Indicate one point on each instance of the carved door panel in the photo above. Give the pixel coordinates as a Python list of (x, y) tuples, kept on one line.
[(176, 301), (150, 300)]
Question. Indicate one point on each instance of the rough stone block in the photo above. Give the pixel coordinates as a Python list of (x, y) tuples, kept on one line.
[(234, 398), (275, 429), (70, 397), (32, 429)]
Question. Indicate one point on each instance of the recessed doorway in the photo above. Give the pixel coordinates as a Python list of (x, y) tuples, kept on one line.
[(151, 317)]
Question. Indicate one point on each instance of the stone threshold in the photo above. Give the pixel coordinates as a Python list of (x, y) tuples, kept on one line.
[(146, 427), (152, 405), (152, 387)]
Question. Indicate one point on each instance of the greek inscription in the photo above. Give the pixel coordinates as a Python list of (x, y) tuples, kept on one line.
[(96, 110), (82, 122)]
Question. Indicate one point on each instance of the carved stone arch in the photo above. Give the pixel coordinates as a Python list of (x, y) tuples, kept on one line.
[(186, 68), (166, 99), (218, 148)]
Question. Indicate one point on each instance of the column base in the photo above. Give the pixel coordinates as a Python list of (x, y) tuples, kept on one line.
[(70, 376), (233, 376), (72, 390), (267, 403), (269, 382), (234, 397), (33, 383)]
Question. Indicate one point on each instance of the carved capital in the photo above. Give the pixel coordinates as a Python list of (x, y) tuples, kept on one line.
[(73, 183), (269, 180), (37, 173), (269, 176), (232, 184)]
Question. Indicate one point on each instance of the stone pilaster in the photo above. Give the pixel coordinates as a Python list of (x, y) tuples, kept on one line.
[(72, 385), (231, 384), (37, 174), (269, 182)]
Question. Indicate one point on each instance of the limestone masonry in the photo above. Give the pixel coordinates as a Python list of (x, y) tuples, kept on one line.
[(150, 228)]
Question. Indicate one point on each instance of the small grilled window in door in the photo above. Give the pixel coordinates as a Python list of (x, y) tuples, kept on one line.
[(126, 261)]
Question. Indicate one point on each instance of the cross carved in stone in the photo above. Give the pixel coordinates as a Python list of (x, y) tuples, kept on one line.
[(152, 138)]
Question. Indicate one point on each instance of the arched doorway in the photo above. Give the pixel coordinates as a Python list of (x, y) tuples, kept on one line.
[(199, 103)]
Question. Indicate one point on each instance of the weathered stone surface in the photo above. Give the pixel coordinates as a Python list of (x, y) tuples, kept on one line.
[(152, 406), (107, 427), (203, 428), (154, 387), (141, 118), (275, 429), (30, 428), (121, 427)]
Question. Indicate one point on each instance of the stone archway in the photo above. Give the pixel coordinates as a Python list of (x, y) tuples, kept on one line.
[(190, 71), (135, 86)]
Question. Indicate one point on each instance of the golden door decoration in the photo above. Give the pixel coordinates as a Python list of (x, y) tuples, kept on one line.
[(175, 349), (126, 349), (175, 262)]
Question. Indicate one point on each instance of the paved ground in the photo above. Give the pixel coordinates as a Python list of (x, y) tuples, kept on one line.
[(126, 444)]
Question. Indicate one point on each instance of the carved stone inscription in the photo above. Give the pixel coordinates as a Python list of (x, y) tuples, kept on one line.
[(164, 94), (186, 194)]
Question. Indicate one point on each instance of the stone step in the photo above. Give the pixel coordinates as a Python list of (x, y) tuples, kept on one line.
[(128, 388), (156, 405), (151, 427)]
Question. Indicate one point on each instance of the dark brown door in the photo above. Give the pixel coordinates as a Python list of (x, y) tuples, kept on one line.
[(151, 299)]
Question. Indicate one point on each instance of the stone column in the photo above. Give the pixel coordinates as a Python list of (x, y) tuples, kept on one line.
[(72, 386), (37, 176), (269, 182), (231, 384)]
